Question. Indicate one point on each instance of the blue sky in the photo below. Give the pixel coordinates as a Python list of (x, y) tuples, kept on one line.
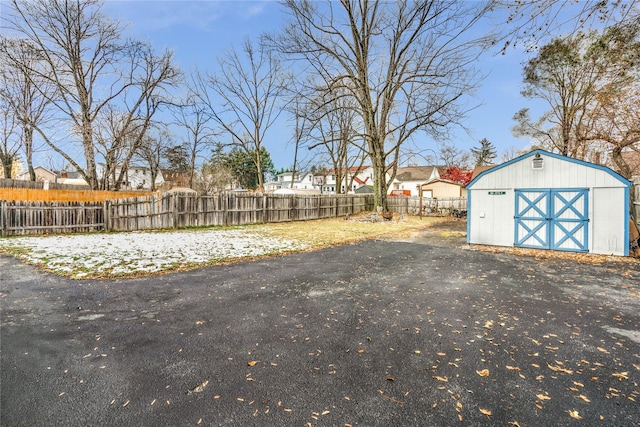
[(199, 31)]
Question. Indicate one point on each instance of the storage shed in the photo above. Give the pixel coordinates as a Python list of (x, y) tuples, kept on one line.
[(547, 201)]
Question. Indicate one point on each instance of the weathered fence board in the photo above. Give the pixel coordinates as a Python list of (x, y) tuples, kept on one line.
[(177, 210), (18, 183), (189, 210), (24, 218), (411, 205)]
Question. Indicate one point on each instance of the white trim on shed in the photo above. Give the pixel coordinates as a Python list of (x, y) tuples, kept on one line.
[(548, 201)]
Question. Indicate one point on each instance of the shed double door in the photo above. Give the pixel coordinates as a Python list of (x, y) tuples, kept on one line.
[(552, 219)]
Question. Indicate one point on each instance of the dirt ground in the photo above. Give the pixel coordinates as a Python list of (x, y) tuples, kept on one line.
[(420, 331)]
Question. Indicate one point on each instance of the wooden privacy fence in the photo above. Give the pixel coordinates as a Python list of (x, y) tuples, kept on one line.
[(18, 183), (187, 210), (24, 218), (173, 211), (442, 207)]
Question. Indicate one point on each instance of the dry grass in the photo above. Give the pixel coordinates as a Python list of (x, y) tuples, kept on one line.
[(335, 231)]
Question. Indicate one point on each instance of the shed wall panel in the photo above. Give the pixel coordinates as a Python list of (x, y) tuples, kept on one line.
[(607, 221), (491, 221)]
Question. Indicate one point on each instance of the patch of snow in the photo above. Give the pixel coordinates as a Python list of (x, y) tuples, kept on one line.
[(144, 252)]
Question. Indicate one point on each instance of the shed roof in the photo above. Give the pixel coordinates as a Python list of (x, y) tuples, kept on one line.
[(605, 169)]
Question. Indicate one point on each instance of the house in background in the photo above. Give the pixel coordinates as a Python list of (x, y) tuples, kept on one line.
[(409, 179), (632, 158), (439, 188), (68, 177), (174, 178), (478, 170), (362, 176), (42, 174), (301, 181), (136, 177)]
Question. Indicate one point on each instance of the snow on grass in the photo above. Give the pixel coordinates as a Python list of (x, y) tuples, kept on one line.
[(121, 254)]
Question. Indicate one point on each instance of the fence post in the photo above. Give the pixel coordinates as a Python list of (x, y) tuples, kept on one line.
[(225, 206), (264, 208), (105, 215), (3, 218)]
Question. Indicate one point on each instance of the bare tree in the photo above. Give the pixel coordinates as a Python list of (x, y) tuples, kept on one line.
[(23, 92), (530, 22), (451, 156), (10, 142), (84, 57), (407, 65), (250, 85), (152, 149), (335, 129), (195, 117), (589, 81)]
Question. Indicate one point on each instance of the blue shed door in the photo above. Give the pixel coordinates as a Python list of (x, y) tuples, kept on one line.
[(552, 219)]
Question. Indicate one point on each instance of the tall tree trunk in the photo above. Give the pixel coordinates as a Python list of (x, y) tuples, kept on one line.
[(379, 176), (27, 131), (7, 165)]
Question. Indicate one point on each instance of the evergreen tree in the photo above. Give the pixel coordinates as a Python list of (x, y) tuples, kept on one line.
[(244, 169), (484, 154)]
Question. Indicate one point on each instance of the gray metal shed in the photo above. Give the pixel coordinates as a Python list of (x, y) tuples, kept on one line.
[(547, 201)]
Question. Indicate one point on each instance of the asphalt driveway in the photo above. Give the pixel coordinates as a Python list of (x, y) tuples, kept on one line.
[(423, 332)]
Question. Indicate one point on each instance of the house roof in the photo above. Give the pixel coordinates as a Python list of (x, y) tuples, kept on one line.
[(479, 169), (447, 181), (632, 158), (361, 181), (351, 170), (416, 173)]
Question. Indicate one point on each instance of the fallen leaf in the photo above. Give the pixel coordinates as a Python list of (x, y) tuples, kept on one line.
[(585, 398), (489, 324), (325, 412), (543, 397), (512, 368), (621, 375), (485, 412), (441, 354), (559, 369), (514, 423), (483, 373), (253, 363), (443, 379), (604, 350), (574, 414), (199, 388)]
